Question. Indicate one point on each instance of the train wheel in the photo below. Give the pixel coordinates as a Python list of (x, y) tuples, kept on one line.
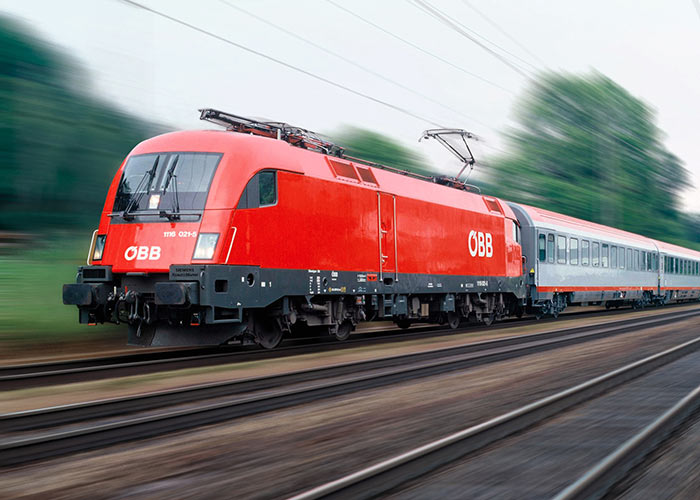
[(488, 319), (453, 319), (268, 333), (403, 323), (344, 330)]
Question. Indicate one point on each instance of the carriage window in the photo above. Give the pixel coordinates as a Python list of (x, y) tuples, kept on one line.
[(542, 248), (516, 232), (621, 257), (613, 257), (561, 249), (636, 260), (630, 263), (550, 247), (573, 251), (585, 251), (606, 251), (595, 260)]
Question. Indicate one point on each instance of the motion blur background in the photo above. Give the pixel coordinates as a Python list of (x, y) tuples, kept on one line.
[(587, 109)]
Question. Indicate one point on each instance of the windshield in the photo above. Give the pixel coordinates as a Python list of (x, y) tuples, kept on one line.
[(166, 182)]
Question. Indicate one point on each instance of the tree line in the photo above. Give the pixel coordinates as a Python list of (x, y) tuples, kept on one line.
[(59, 145)]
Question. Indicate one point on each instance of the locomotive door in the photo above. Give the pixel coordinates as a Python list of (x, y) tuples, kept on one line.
[(386, 212)]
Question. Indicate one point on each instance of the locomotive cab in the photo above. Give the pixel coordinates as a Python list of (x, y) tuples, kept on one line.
[(157, 260)]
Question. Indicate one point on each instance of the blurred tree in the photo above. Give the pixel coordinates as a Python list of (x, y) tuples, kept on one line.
[(59, 146), (693, 225), (378, 148), (587, 148)]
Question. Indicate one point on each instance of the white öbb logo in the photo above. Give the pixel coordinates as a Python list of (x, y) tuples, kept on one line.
[(142, 253), (480, 244)]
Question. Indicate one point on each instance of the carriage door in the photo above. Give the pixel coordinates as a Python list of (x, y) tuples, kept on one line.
[(386, 209)]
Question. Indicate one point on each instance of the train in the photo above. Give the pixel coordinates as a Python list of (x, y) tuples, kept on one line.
[(256, 230)]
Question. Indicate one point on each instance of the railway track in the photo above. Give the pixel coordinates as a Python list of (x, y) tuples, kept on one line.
[(574, 444), (53, 431), (26, 376)]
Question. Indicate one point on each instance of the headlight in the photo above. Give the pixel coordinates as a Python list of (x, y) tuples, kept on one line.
[(99, 247), (206, 244)]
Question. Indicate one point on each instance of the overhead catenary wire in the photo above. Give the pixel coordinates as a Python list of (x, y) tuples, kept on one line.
[(505, 32), (418, 47), (353, 63), (438, 14), (282, 63), (473, 32), (451, 23)]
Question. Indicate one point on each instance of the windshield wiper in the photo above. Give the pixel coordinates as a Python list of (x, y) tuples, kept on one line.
[(175, 214), (134, 202)]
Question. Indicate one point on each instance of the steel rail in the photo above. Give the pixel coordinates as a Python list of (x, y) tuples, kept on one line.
[(65, 414), (77, 370), (61, 372), (600, 478), (388, 474), (325, 382)]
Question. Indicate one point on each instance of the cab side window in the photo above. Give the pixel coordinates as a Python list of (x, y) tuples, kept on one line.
[(261, 190)]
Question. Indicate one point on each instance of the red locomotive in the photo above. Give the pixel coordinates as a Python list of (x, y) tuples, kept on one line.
[(246, 233)]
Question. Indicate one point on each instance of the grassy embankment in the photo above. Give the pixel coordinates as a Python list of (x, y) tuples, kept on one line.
[(31, 307)]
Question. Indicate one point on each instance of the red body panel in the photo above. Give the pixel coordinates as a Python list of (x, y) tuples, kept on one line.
[(320, 221)]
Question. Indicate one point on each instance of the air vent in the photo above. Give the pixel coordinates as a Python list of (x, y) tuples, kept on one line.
[(493, 205), (367, 175), (343, 169)]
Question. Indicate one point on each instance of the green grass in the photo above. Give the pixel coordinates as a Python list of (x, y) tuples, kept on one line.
[(31, 281)]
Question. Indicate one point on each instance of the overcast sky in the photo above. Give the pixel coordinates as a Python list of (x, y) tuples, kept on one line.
[(163, 71)]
